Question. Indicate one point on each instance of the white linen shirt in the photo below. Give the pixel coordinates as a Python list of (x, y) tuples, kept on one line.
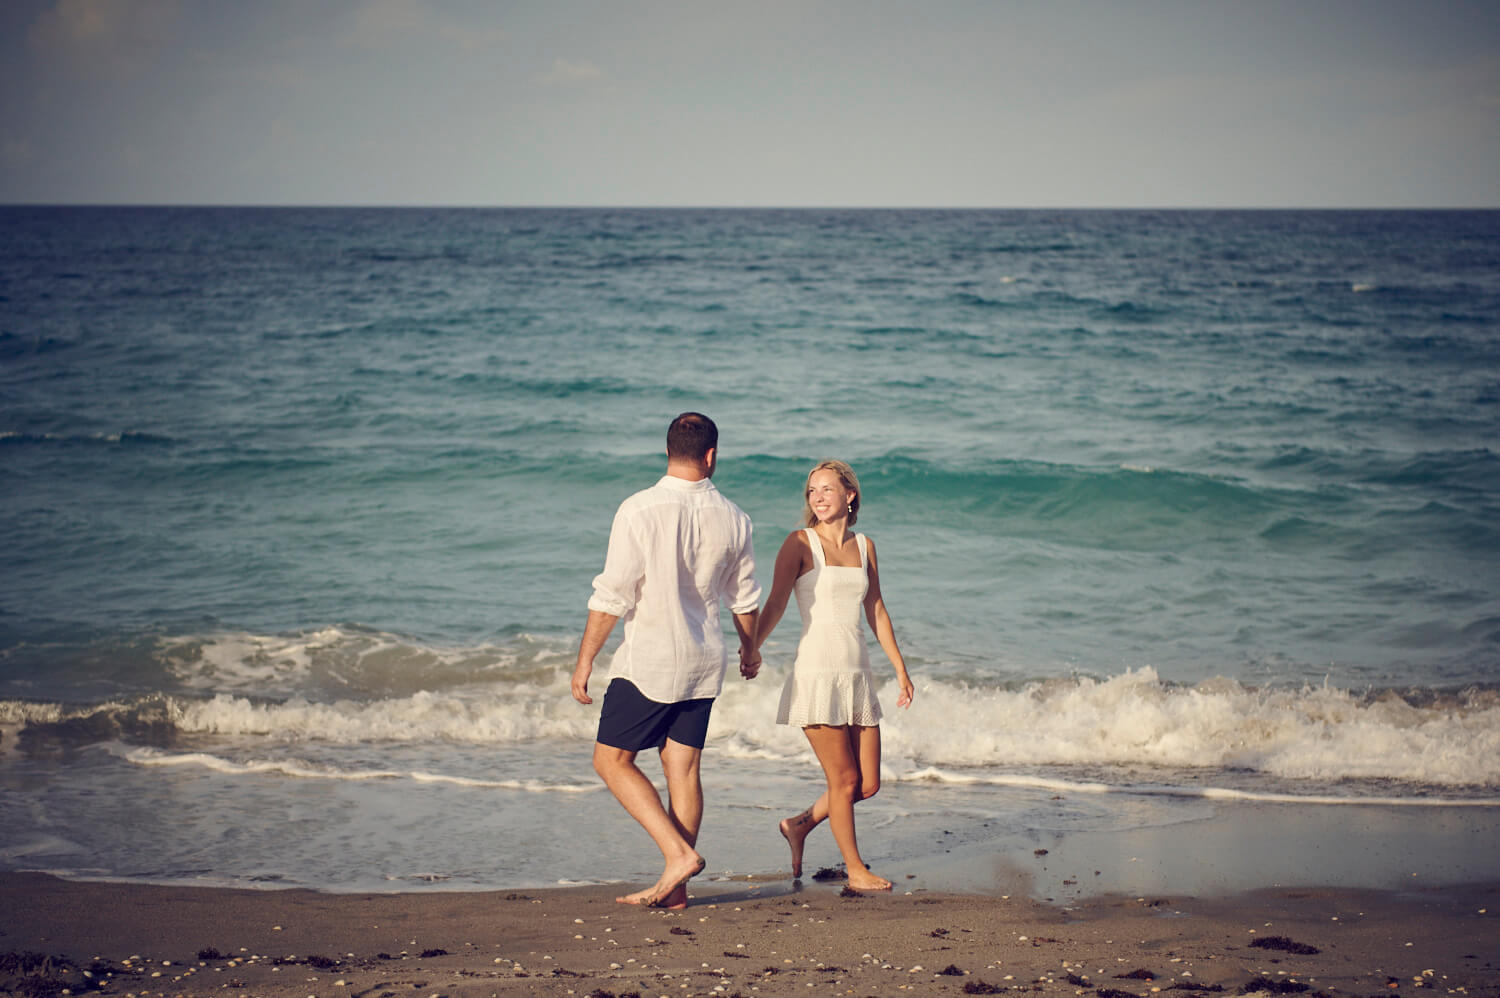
[(676, 551)]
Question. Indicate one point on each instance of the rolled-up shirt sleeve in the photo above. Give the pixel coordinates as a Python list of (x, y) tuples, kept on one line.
[(617, 588), (740, 586)]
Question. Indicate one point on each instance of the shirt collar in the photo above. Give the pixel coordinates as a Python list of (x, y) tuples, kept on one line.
[(683, 485)]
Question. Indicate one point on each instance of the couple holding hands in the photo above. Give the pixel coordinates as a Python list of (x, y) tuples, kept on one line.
[(676, 551)]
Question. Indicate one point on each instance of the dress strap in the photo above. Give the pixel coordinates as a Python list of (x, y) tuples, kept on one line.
[(816, 544), (864, 554)]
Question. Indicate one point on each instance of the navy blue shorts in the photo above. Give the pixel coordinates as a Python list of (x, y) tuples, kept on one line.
[(629, 721)]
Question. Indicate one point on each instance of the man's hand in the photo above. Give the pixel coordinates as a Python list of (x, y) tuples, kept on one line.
[(581, 673), (745, 624), (749, 662), (594, 633)]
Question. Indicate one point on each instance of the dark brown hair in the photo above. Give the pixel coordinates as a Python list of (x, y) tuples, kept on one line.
[(691, 436)]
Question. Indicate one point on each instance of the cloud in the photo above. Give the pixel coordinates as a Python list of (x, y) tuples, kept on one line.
[(566, 73), (109, 37)]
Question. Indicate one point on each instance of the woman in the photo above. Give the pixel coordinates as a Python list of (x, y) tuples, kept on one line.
[(831, 691)]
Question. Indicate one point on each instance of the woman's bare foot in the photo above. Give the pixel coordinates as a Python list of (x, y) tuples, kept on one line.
[(671, 890), (867, 881), (794, 830)]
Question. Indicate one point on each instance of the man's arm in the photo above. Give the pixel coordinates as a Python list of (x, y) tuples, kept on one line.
[(615, 592), (745, 624), (744, 601), (595, 632)]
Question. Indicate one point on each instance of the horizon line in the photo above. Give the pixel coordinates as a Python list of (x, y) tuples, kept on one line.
[(560, 206)]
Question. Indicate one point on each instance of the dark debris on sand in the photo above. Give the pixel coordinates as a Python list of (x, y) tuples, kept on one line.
[(1284, 945), (1265, 984), (41, 975)]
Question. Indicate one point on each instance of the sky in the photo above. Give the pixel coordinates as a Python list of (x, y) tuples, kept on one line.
[(871, 103)]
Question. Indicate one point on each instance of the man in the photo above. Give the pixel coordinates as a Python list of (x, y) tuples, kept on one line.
[(676, 551)]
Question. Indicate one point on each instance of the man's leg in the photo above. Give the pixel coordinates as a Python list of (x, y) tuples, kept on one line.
[(681, 764), (639, 798)]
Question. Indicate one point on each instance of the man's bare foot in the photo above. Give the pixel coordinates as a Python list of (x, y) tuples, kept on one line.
[(676, 901), (639, 897), (674, 892), (867, 881), (671, 890), (794, 830)]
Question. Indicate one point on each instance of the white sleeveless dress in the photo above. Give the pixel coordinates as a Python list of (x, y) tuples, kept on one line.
[(831, 681)]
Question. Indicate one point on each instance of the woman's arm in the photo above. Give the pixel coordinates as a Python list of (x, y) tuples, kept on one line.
[(789, 561), (885, 633)]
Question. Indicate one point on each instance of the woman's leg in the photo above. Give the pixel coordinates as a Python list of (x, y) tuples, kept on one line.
[(796, 828), (864, 744), (839, 750)]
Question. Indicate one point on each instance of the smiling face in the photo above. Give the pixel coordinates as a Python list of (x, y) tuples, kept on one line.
[(826, 495), (832, 490)]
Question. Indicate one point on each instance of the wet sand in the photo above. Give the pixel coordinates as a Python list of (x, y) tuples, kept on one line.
[(1255, 899), (746, 938)]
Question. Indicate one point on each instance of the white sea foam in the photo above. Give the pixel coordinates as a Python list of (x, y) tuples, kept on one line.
[(20, 712), (523, 713), (1312, 735), (1061, 786), (1134, 719), (304, 770), (1315, 733), (41, 845), (357, 660)]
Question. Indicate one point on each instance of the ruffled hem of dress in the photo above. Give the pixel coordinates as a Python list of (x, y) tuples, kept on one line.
[(837, 698)]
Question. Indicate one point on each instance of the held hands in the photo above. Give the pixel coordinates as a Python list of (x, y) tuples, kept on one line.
[(749, 662)]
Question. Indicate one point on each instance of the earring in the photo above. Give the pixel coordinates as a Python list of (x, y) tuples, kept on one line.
[(851, 507)]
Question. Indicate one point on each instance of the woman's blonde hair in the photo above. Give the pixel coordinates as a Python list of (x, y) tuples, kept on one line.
[(850, 483)]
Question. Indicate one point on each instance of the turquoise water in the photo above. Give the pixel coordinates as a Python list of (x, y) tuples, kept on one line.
[(302, 506)]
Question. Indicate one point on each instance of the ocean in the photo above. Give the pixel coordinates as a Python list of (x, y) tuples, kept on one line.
[(1176, 510)]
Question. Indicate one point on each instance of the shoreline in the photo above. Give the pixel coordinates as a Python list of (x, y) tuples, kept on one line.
[(771, 938), (1233, 848), (1233, 902), (1179, 847)]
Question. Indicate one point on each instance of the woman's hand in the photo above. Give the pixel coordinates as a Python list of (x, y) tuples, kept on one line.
[(749, 662), (908, 691)]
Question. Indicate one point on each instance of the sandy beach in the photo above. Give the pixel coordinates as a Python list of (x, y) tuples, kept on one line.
[(773, 938)]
